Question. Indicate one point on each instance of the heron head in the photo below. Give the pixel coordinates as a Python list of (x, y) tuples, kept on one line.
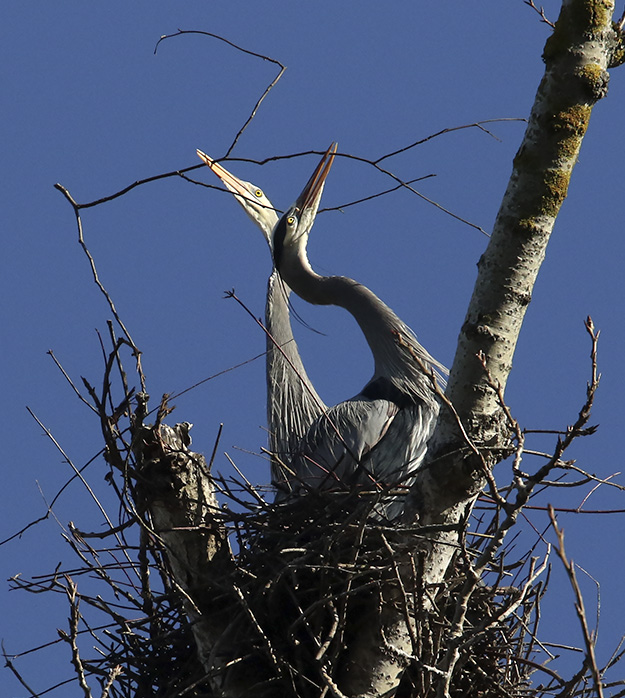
[(252, 198), (295, 225)]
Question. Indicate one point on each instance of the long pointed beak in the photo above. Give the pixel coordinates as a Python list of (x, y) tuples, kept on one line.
[(309, 198), (232, 183)]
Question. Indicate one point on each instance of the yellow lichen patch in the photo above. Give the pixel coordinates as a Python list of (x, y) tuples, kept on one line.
[(573, 120), (595, 80), (526, 226), (571, 125), (618, 53), (557, 186), (591, 15)]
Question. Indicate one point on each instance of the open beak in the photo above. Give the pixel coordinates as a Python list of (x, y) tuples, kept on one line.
[(230, 181), (309, 198)]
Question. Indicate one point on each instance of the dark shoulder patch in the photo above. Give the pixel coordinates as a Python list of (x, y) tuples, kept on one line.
[(278, 241), (383, 389)]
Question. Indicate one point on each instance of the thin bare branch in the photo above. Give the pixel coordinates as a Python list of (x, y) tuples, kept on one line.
[(589, 637), (478, 124), (72, 637), (541, 13), (182, 32), (99, 284)]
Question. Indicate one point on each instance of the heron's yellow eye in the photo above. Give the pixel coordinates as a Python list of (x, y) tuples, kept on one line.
[(290, 220), (258, 193)]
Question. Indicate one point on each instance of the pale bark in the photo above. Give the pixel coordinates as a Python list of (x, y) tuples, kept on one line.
[(176, 487), (577, 55)]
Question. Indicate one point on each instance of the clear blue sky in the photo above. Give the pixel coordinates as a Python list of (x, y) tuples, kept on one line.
[(88, 104)]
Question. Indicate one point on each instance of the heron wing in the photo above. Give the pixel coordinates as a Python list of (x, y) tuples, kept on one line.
[(371, 443)]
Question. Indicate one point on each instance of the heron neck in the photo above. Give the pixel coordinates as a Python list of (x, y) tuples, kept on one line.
[(277, 318), (377, 321), (293, 402)]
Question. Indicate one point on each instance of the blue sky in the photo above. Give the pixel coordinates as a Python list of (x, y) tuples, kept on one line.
[(89, 105)]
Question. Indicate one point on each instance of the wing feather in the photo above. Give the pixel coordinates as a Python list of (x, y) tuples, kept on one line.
[(362, 443)]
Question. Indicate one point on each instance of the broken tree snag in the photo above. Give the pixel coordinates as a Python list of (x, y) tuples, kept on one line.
[(174, 485)]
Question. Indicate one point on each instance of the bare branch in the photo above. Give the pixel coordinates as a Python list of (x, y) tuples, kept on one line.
[(541, 13), (71, 638), (99, 284), (268, 89), (589, 637)]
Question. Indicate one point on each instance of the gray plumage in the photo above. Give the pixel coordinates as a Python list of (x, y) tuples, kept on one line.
[(377, 439), (373, 442), (292, 402)]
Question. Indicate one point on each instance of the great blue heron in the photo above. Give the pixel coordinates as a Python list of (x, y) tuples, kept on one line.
[(292, 402), (377, 439)]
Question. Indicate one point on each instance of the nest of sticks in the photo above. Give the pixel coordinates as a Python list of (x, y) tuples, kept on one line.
[(199, 578)]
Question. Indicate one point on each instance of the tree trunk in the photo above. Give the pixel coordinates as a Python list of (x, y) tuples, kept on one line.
[(473, 433)]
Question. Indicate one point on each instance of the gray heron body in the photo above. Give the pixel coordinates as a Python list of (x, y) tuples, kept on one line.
[(377, 439), (292, 402)]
